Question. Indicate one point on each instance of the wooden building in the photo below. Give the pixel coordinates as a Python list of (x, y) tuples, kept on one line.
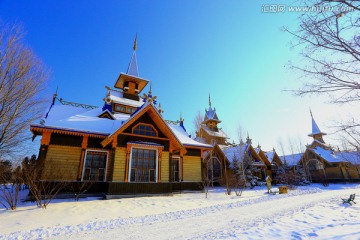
[(126, 145), (221, 158), (322, 163)]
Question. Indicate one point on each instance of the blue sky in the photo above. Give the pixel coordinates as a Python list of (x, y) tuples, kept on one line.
[(188, 49)]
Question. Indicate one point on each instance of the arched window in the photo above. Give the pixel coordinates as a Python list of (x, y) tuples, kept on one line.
[(145, 129), (214, 169), (315, 165)]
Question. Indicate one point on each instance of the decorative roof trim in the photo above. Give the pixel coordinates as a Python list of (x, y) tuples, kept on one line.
[(67, 131)]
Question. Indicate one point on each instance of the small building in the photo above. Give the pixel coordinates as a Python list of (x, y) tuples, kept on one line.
[(322, 163), (125, 146), (260, 165)]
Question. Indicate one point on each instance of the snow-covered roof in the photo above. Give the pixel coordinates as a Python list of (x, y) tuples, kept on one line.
[(67, 117), (211, 115), (80, 119), (220, 133), (237, 151), (353, 157), (184, 137), (291, 159), (335, 157), (117, 97), (270, 155)]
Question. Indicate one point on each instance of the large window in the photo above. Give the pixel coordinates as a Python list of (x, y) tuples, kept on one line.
[(175, 169), (315, 165), (145, 129), (214, 169), (95, 166), (143, 165)]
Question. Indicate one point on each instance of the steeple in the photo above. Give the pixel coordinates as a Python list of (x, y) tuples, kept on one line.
[(130, 82), (133, 68), (210, 115), (248, 139), (209, 101), (316, 133)]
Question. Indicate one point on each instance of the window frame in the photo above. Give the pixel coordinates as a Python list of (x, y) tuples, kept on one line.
[(172, 179), (145, 124), (156, 163), (211, 160), (84, 164), (128, 109)]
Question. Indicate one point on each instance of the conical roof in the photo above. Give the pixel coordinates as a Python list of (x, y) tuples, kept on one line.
[(315, 128), (133, 67)]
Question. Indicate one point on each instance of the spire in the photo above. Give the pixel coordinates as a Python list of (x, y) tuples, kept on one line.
[(135, 43), (248, 139), (149, 97), (315, 133), (133, 68), (209, 101), (210, 115)]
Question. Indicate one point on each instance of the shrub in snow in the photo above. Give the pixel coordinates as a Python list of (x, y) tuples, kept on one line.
[(11, 182), (42, 192)]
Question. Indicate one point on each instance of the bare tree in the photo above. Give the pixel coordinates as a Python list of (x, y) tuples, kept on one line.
[(22, 82), (330, 46), (241, 133), (80, 188), (206, 183), (10, 184), (197, 123), (328, 38), (41, 191)]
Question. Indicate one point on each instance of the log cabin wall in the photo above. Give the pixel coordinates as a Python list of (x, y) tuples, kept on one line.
[(192, 168), (119, 165), (62, 163), (165, 167)]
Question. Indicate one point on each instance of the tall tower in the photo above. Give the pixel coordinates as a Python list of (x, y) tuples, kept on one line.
[(126, 98), (211, 119), (316, 134), (130, 82), (209, 131)]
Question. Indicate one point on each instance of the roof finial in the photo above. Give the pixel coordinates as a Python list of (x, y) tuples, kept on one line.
[(160, 110), (135, 43), (181, 119), (248, 139), (209, 100), (150, 91), (310, 112)]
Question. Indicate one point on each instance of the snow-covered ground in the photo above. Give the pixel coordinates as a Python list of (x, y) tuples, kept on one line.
[(309, 212)]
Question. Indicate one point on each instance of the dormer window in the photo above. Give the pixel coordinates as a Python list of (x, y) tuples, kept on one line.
[(124, 109), (145, 129)]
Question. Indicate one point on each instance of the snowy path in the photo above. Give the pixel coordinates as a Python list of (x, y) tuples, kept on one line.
[(301, 214), (236, 220)]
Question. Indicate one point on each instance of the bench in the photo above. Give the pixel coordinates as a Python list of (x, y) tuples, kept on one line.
[(274, 191), (350, 199)]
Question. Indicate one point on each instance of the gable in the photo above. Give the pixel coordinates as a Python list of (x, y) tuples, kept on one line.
[(149, 115), (107, 115), (146, 120)]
